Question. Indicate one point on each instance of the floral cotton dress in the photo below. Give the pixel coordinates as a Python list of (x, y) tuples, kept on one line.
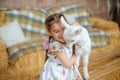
[(54, 69)]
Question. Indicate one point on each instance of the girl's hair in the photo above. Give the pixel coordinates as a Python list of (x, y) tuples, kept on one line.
[(54, 18)]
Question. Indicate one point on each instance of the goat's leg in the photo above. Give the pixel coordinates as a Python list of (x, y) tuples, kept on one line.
[(85, 66), (77, 64)]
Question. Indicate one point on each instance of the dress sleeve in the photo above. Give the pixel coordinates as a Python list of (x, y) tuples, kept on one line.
[(55, 46)]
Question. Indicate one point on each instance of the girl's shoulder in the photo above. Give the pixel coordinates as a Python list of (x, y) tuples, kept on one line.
[(53, 46), (56, 46), (56, 43)]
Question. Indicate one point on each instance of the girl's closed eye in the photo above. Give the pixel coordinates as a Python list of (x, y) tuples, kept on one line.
[(56, 31)]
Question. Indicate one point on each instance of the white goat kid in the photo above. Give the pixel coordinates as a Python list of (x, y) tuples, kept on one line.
[(78, 35)]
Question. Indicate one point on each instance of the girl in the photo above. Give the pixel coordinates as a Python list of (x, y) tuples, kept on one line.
[(59, 64)]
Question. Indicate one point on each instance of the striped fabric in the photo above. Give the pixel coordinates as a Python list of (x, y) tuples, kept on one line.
[(73, 13), (31, 20), (24, 48), (99, 38)]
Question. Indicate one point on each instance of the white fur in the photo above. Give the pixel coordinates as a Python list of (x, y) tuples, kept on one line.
[(78, 35)]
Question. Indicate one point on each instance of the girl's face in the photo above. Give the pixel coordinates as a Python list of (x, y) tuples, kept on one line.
[(57, 32)]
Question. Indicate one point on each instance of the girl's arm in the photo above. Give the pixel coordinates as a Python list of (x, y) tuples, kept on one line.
[(67, 62)]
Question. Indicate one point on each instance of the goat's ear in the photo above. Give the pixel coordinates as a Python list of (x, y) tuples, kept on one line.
[(64, 22), (77, 32)]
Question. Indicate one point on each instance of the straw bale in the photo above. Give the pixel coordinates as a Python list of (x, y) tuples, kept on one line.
[(107, 26), (30, 62), (26, 67), (2, 18), (103, 24), (3, 57), (3, 52)]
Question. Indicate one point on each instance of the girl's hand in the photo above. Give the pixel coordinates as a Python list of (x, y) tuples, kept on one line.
[(53, 53)]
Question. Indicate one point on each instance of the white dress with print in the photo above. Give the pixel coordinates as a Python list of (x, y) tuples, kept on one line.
[(54, 69)]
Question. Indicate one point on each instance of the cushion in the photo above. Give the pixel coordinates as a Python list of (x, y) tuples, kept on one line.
[(11, 33)]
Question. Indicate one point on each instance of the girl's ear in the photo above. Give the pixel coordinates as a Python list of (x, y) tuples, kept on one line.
[(49, 34)]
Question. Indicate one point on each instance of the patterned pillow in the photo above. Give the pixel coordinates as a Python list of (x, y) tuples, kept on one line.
[(31, 20), (73, 13), (12, 34)]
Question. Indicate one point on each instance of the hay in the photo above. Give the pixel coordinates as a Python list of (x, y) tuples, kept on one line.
[(3, 57), (2, 18), (3, 52), (108, 26), (103, 24), (26, 68)]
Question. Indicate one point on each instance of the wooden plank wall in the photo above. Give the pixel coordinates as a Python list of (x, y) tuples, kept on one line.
[(98, 7)]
